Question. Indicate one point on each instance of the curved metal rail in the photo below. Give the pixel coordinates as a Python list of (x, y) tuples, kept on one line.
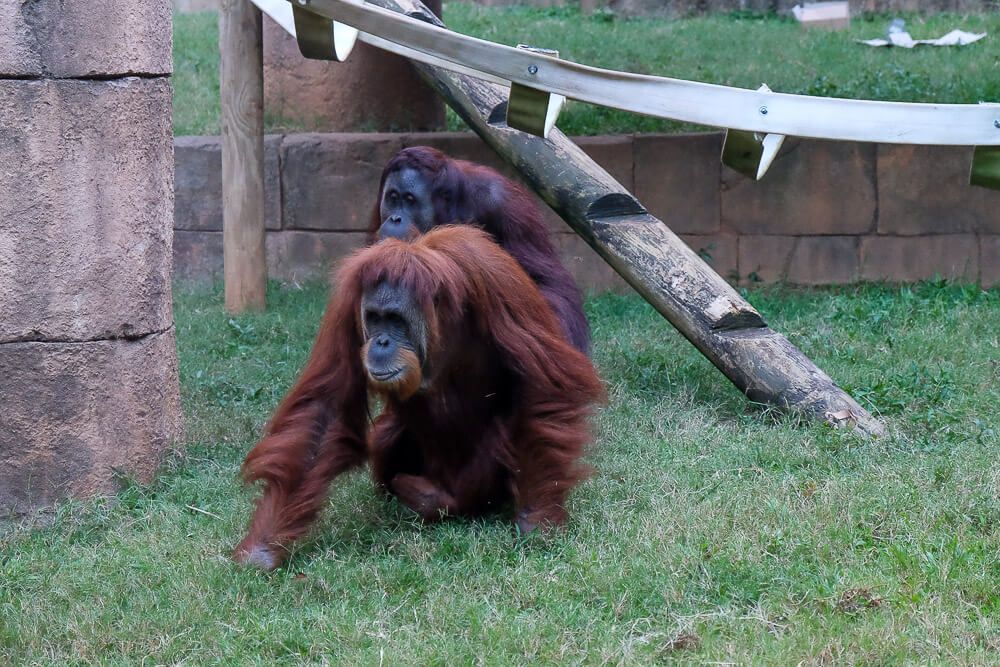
[(702, 103)]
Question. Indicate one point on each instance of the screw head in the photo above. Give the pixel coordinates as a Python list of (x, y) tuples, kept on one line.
[(532, 69), (763, 111)]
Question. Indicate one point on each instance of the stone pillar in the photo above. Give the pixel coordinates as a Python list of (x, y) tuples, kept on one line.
[(373, 91), (88, 365)]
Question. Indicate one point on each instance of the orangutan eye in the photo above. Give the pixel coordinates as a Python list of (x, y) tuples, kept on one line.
[(396, 321), (409, 199)]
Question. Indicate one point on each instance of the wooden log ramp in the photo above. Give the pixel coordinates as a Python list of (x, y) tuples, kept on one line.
[(761, 362)]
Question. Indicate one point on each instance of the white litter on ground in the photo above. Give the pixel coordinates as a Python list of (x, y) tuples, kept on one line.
[(903, 39)]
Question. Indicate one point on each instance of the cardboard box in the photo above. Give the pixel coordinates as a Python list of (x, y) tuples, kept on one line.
[(825, 15)]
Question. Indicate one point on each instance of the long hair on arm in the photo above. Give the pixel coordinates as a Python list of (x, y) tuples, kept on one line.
[(317, 433)]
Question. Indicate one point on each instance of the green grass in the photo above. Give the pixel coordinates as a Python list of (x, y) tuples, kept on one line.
[(196, 74), (712, 530), (737, 49)]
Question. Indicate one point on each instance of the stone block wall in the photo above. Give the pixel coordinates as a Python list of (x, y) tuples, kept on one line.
[(826, 212), (88, 369)]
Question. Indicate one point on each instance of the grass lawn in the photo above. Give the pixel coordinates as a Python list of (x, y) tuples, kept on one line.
[(712, 530), (736, 49)]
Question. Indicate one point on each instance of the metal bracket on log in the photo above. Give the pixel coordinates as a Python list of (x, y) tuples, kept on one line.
[(986, 167), (319, 37), (986, 160), (529, 109)]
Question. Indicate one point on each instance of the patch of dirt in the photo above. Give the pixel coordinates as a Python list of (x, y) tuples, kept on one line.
[(685, 641), (858, 599)]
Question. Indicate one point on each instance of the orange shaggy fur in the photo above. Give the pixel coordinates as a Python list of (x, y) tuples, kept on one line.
[(502, 420)]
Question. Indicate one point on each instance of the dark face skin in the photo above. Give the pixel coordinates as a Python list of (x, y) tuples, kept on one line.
[(407, 206), (395, 334)]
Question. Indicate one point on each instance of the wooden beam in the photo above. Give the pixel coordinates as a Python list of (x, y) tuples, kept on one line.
[(241, 84), (761, 362)]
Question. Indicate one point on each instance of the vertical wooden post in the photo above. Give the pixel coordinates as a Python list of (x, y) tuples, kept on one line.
[(242, 90)]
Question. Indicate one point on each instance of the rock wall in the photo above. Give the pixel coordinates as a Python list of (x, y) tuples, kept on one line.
[(88, 370), (825, 213)]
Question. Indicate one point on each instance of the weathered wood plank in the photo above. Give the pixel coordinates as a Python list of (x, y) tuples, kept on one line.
[(761, 362), (241, 79)]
